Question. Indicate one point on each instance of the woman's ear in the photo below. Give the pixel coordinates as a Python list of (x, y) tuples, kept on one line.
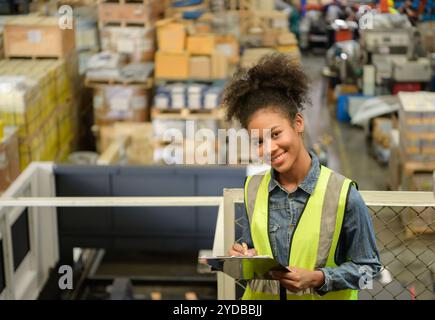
[(299, 123)]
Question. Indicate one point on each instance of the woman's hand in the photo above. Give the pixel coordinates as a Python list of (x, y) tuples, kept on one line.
[(240, 250), (298, 279)]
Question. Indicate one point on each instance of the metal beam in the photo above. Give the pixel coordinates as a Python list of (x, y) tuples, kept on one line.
[(111, 202)]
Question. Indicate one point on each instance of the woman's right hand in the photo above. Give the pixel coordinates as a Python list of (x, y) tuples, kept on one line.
[(241, 250)]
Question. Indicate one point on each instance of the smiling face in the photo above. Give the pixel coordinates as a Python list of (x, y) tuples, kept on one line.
[(286, 139)]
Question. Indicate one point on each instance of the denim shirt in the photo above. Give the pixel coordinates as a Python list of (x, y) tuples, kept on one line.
[(356, 247)]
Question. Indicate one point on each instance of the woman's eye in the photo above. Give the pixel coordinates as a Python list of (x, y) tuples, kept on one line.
[(275, 134)]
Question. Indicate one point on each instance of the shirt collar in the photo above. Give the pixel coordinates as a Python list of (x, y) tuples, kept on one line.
[(309, 182)]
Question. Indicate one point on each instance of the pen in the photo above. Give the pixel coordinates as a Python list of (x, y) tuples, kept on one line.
[(245, 248)]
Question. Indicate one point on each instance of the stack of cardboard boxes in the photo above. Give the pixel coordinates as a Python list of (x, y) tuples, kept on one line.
[(137, 140), (38, 95), (194, 56), (417, 126), (32, 36), (128, 29), (38, 99), (121, 75)]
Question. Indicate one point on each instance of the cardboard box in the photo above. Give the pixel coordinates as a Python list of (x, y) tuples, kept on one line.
[(252, 56), (219, 66), (201, 44), (135, 42), (394, 165), (31, 36), (287, 39), (417, 126), (343, 89), (269, 38), (126, 12), (140, 147), (382, 131), (171, 37), (200, 67), (229, 46), (264, 5), (427, 30), (120, 103), (172, 65)]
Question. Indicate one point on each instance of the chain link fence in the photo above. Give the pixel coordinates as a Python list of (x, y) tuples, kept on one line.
[(405, 237)]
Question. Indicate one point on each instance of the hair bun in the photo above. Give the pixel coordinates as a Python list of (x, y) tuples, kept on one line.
[(276, 74)]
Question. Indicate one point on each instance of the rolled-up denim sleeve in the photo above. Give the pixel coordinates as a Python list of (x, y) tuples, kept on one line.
[(357, 256)]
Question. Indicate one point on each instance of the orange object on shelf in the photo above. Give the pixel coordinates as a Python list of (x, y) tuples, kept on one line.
[(310, 6), (383, 6), (343, 35)]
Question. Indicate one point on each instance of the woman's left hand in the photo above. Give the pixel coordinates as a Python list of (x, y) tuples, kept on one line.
[(298, 279)]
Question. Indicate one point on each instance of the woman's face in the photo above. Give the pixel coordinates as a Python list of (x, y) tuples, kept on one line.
[(285, 140)]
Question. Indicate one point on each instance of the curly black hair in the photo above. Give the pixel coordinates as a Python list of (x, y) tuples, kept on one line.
[(275, 81)]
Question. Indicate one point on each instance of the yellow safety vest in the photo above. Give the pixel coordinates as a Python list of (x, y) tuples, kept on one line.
[(314, 239)]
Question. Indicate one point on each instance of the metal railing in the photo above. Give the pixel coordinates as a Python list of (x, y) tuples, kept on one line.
[(404, 224)]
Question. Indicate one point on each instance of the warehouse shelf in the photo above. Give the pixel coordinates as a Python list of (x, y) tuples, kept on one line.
[(96, 83), (187, 114)]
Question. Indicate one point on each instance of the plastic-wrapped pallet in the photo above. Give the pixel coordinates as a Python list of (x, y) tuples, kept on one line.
[(120, 103), (135, 42), (212, 97), (178, 96), (86, 29), (195, 96), (34, 97), (162, 98), (417, 126)]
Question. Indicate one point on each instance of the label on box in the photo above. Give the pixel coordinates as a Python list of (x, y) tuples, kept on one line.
[(125, 46), (225, 48), (119, 104), (34, 36)]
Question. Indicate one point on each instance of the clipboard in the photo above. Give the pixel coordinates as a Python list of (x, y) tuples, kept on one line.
[(245, 267)]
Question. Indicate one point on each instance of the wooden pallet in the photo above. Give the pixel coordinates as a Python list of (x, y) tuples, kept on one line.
[(164, 81), (95, 83), (15, 57), (145, 2), (187, 114), (412, 167), (124, 23)]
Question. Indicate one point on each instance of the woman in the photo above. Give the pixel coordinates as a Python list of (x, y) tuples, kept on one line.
[(306, 216)]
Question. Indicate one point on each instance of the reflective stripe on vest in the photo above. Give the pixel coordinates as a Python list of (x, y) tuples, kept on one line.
[(314, 239)]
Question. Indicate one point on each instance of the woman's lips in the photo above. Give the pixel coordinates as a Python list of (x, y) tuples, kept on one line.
[(279, 159)]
